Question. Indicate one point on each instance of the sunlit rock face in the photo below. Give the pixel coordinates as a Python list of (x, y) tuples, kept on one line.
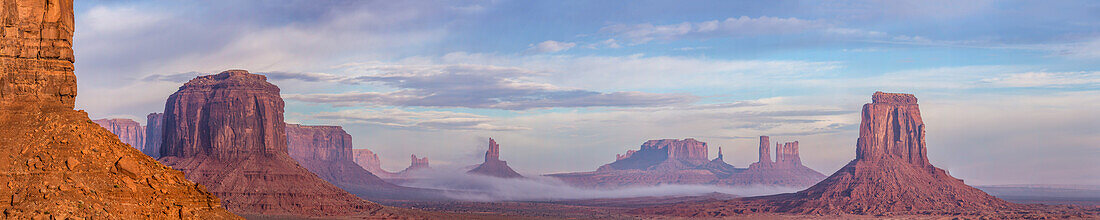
[(54, 161)]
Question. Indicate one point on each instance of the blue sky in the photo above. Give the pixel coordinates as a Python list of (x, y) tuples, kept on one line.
[(1009, 89)]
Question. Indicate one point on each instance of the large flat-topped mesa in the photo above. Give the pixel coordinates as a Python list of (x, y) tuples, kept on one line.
[(226, 115), (54, 161), (226, 131), (892, 127)]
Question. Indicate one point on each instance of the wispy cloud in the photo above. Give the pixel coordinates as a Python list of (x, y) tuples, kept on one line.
[(396, 118), (549, 47), (472, 86)]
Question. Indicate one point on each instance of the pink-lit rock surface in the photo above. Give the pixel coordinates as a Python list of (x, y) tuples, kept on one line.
[(129, 131), (154, 132)]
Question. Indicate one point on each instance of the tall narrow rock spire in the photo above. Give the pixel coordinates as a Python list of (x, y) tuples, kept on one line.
[(493, 154), (765, 150)]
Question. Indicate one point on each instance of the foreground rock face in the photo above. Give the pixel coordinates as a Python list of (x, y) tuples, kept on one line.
[(226, 131), (129, 131), (890, 175), (154, 132), (654, 165), (493, 166), (55, 163)]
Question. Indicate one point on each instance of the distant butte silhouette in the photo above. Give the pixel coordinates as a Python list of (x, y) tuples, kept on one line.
[(890, 175), (493, 166)]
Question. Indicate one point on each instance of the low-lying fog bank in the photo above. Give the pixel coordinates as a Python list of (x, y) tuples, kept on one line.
[(469, 187)]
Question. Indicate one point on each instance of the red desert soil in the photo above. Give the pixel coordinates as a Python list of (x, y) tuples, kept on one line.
[(890, 176), (55, 163)]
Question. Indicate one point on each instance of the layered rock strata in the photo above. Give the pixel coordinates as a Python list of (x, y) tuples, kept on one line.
[(129, 131), (493, 166), (890, 176), (55, 163), (226, 131)]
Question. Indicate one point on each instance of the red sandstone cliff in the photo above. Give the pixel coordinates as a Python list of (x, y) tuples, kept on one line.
[(55, 163), (129, 131), (785, 170), (890, 176), (493, 166), (226, 131), (154, 131)]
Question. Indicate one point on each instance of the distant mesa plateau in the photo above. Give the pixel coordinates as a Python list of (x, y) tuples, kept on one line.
[(327, 152), (55, 162), (890, 176), (671, 161)]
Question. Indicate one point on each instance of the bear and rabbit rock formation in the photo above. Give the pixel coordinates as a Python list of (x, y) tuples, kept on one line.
[(890, 175), (226, 131), (55, 161)]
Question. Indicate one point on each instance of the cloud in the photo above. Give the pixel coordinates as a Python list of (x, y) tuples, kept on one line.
[(549, 47), (472, 86), (396, 118), (469, 187), (731, 27), (1044, 79)]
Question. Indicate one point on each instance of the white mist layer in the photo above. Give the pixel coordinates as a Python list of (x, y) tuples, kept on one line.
[(469, 187)]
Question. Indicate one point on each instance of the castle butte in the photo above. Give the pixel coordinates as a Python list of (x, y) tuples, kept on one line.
[(890, 176), (55, 162), (493, 166), (129, 131), (327, 152), (671, 161), (226, 131)]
